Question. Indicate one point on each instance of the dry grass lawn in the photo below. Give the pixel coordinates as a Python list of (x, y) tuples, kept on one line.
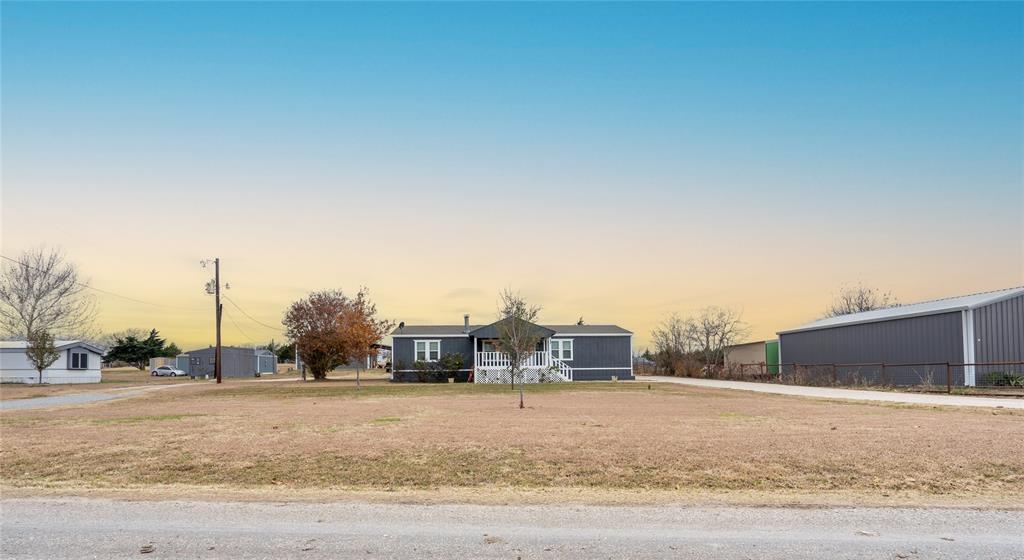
[(615, 438)]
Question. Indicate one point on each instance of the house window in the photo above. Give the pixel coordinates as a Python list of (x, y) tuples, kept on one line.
[(561, 349), (213, 360), (428, 350), (79, 360)]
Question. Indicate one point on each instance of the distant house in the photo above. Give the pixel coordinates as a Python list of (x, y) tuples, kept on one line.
[(564, 353), (235, 362), (79, 363), (980, 335)]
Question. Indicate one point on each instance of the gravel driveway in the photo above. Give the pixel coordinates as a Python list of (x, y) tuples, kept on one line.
[(96, 528), (78, 398), (836, 393)]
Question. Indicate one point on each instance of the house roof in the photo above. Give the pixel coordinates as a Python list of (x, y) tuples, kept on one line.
[(58, 344), (588, 329), (491, 331), (933, 307), (456, 330)]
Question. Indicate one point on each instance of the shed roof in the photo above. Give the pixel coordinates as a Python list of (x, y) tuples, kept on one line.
[(932, 307)]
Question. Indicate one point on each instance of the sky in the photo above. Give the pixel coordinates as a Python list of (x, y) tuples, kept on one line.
[(615, 162)]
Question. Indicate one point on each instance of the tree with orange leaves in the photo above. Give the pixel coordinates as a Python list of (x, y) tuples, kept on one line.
[(361, 329), (314, 324)]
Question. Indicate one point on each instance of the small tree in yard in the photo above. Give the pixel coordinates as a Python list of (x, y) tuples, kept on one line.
[(518, 334), (361, 329), (41, 351), (314, 323)]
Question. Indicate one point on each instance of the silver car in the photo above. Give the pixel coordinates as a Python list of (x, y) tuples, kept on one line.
[(167, 370)]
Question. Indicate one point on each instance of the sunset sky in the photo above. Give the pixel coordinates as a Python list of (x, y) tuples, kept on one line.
[(617, 162)]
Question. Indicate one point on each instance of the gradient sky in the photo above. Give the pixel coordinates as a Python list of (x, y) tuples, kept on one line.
[(613, 161)]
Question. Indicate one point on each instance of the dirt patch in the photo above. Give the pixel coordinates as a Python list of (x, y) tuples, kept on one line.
[(600, 437)]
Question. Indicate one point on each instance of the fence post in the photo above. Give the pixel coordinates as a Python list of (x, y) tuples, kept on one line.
[(883, 374), (949, 380), (835, 377)]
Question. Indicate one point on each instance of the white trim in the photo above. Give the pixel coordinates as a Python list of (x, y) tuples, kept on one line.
[(432, 336), (572, 348), (967, 317), (426, 350)]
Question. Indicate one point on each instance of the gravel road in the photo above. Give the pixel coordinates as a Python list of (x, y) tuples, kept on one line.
[(835, 393), (98, 528), (79, 398)]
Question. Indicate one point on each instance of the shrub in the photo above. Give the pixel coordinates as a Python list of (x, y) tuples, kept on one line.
[(1004, 379), (449, 366)]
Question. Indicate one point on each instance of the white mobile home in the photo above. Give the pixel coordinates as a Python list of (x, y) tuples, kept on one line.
[(79, 363)]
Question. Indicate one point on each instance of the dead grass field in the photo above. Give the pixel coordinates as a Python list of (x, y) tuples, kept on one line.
[(583, 437)]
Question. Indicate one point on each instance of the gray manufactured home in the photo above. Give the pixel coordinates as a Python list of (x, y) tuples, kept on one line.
[(564, 353), (979, 335)]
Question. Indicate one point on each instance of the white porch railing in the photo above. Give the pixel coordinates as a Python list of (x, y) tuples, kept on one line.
[(501, 359), (539, 367)]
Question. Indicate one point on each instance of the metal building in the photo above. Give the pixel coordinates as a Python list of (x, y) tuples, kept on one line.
[(962, 331), (237, 362)]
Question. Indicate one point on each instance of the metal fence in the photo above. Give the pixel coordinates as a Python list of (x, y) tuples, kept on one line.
[(1007, 376)]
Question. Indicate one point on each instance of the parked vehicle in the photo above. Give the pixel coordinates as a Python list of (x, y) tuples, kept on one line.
[(164, 371)]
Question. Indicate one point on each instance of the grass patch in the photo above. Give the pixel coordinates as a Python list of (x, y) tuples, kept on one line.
[(386, 420), (141, 419)]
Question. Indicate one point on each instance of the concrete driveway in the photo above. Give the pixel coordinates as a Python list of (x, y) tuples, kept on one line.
[(836, 393)]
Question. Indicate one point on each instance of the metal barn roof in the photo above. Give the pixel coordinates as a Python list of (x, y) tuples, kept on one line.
[(932, 307)]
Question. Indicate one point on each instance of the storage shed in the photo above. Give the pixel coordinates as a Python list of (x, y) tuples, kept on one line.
[(976, 334), (236, 362)]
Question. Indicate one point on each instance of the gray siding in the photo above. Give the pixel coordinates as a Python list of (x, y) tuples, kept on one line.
[(930, 338), (599, 351), (999, 337), (588, 352), (404, 350), (999, 331), (237, 362)]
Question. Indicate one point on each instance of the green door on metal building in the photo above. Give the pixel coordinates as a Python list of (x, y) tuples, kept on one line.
[(771, 356)]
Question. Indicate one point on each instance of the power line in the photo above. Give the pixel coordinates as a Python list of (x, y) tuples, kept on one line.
[(233, 322), (102, 291), (251, 318)]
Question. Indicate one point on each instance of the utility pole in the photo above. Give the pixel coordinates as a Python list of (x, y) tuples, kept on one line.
[(220, 308)]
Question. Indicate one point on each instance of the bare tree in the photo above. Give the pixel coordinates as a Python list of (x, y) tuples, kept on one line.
[(41, 290), (854, 299), (518, 334), (670, 343), (682, 344), (41, 351), (712, 329)]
